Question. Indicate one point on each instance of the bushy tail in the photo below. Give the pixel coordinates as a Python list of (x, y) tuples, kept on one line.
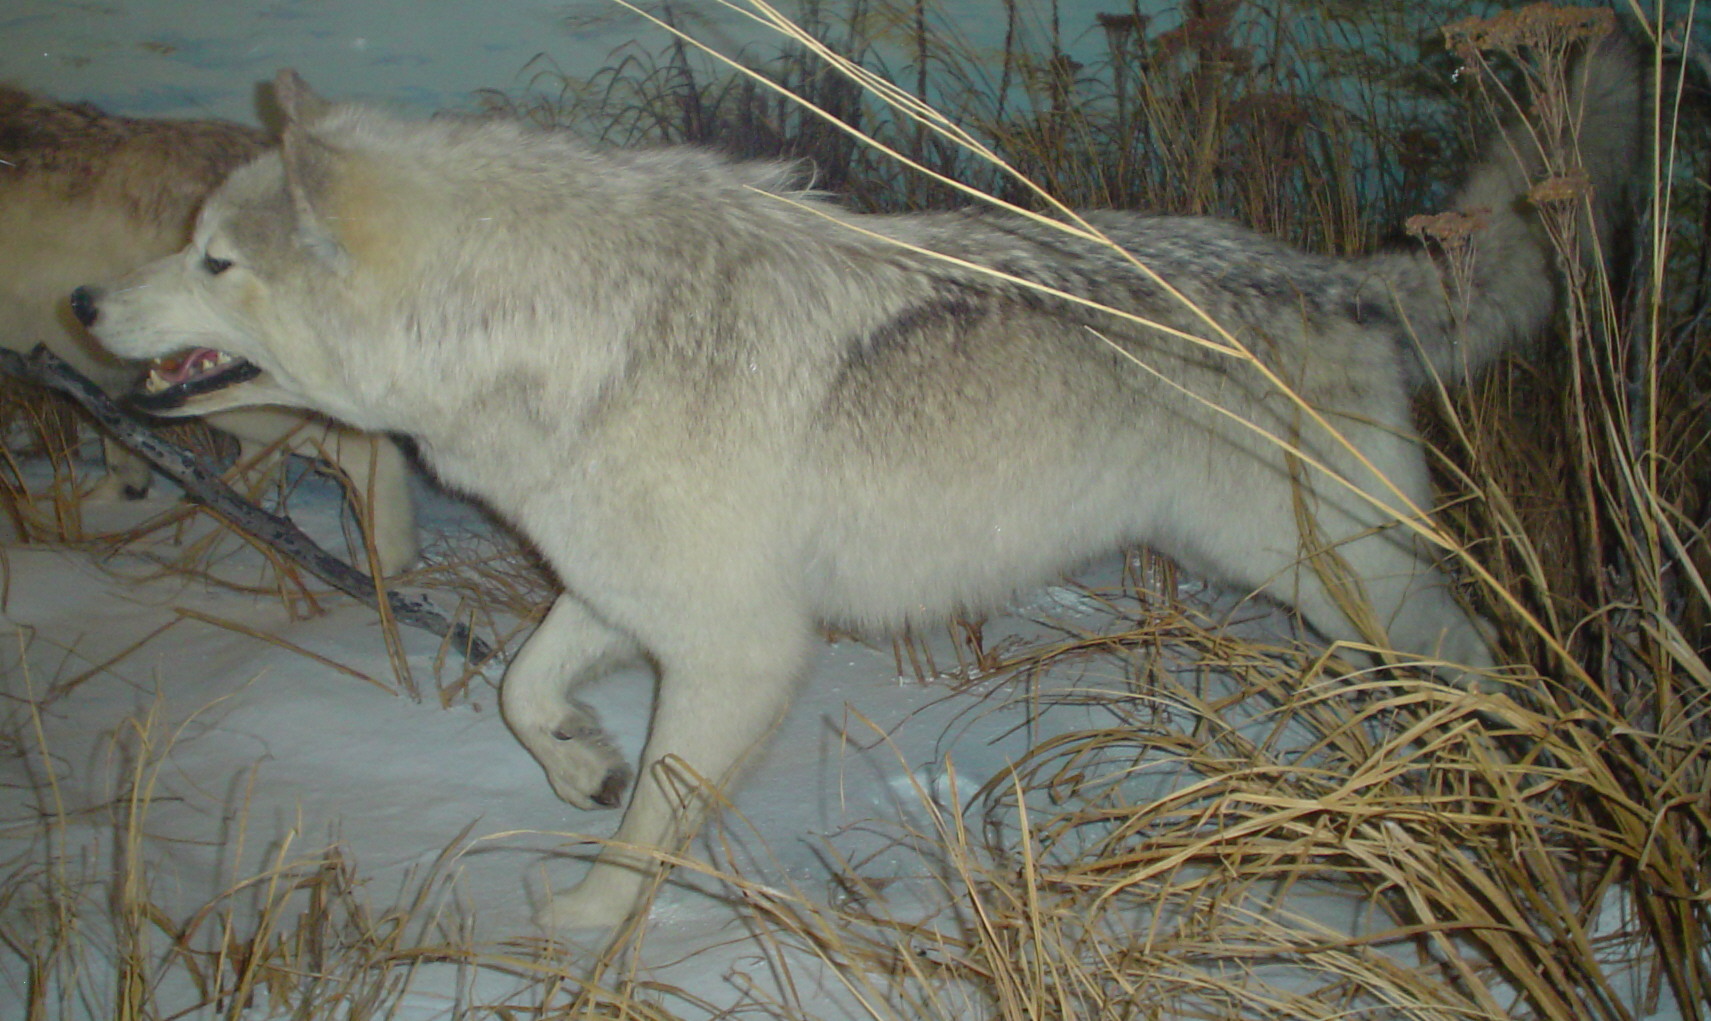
[(1491, 279)]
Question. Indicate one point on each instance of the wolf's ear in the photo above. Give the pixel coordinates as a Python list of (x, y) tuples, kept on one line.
[(310, 166), (296, 99), (309, 163)]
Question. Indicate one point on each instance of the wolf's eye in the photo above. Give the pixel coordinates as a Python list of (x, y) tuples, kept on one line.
[(215, 266)]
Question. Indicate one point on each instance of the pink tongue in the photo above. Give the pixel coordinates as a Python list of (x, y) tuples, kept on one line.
[(188, 365)]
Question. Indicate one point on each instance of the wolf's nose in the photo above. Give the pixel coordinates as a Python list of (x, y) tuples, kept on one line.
[(83, 306)]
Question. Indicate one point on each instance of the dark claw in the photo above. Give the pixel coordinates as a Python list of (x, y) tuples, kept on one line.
[(611, 792), (83, 306)]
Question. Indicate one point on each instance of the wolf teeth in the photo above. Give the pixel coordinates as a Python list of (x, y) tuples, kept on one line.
[(186, 366)]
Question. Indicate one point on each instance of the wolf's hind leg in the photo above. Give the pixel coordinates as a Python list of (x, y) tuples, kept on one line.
[(1395, 598), (1411, 602), (568, 649)]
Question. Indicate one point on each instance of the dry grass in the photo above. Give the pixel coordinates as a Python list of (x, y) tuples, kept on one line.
[(1261, 831)]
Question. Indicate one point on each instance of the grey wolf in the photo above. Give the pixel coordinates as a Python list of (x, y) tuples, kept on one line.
[(727, 412), (86, 195)]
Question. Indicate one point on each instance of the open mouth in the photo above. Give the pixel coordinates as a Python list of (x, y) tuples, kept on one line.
[(174, 382)]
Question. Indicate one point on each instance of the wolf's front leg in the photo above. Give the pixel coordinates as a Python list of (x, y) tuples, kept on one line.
[(569, 649), (715, 705), (128, 476), (379, 479)]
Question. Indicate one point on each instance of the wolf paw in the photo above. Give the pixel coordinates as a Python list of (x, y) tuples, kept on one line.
[(588, 906), (114, 488), (582, 763), (395, 544)]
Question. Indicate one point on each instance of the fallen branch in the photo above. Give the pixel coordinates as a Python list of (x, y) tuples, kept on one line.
[(206, 487)]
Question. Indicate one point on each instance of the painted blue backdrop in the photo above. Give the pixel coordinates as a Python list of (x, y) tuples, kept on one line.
[(205, 57)]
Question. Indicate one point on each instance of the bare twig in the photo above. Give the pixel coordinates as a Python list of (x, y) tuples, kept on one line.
[(204, 485)]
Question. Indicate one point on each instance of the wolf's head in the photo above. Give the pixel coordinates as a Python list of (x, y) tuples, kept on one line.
[(260, 308), (413, 275)]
